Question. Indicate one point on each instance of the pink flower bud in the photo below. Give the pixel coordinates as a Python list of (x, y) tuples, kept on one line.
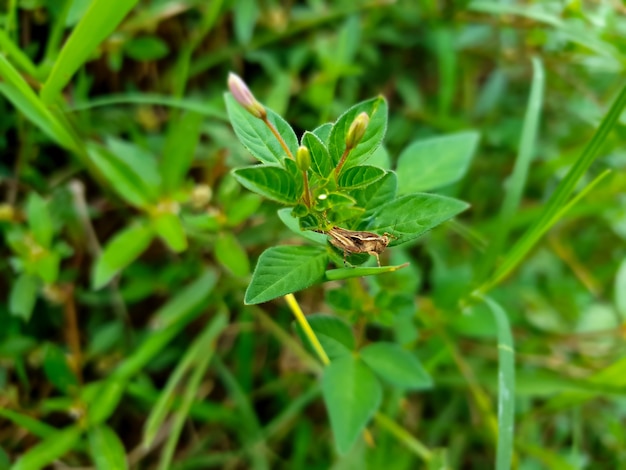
[(244, 96)]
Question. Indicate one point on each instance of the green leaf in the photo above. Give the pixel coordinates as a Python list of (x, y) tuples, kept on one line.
[(413, 215), (23, 296), (292, 224), (18, 92), (254, 134), (376, 108), (620, 290), (334, 334), (106, 448), (231, 254), (320, 158), (32, 425), (5, 461), (95, 26), (352, 395), (205, 222), (49, 450), (270, 181), (39, 220), (57, 369), (140, 161), (396, 365), (283, 270), (241, 208), (428, 164), (360, 176), (323, 132), (246, 13), (146, 48), (102, 398), (128, 184), (46, 266), (186, 300), (376, 194), (170, 229), (179, 149), (120, 251)]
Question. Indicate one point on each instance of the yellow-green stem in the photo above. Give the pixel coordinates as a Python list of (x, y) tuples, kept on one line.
[(280, 139), (308, 331)]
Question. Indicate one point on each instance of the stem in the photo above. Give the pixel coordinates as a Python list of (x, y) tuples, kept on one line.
[(480, 396), (72, 333), (403, 436), (280, 139), (342, 160), (308, 331), (286, 339), (394, 428), (307, 192), (93, 246)]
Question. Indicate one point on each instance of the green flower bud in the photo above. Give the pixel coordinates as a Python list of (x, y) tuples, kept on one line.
[(244, 96), (303, 158), (7, 213), (357, 130)]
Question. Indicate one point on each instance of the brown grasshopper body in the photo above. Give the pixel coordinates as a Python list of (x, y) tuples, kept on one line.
[(351, 241)]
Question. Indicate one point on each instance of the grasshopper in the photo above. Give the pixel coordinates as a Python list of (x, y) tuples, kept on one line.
[(351, 241)]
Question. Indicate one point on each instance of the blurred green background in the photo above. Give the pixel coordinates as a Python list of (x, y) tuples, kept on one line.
[(164, 367)]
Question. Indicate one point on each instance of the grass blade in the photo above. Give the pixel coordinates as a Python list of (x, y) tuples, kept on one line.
[(506, 386), (514, 191), (99, 22), (559, 198), (203, 352), (166, 398), (153, 99), (16, 54), (24, 98), (250, 431)]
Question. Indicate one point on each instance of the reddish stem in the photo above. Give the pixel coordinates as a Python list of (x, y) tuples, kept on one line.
[(307, 193), (342, 160), (278, 137)]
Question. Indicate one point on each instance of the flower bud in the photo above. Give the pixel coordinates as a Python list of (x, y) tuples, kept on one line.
[(357, 130), (244, 96), (7, 213), (201, 196), (303, 158)]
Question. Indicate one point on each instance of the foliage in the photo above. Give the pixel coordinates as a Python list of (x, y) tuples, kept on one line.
[(155, 231)]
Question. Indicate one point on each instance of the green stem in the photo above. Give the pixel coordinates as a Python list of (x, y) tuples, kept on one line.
[(403, 436)]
